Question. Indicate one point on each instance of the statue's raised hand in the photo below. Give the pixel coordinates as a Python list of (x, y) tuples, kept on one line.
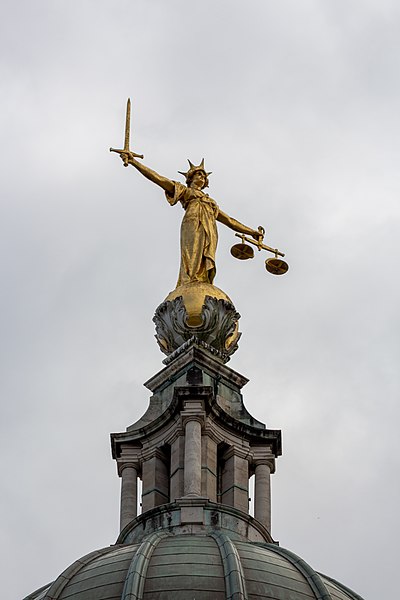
[(126, 158)]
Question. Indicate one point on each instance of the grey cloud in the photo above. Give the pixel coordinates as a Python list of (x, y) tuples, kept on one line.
[(295, 108)]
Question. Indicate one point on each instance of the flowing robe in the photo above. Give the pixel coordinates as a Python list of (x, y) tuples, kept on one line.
[(199, 234)]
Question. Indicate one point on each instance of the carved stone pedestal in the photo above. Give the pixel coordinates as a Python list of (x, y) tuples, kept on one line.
[(202, 313)]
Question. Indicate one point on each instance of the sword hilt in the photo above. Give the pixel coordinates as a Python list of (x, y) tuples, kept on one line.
[(123, 151)]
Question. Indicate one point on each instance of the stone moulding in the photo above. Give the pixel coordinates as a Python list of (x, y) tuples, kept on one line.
[(235, 582), (195, 515), (195, 341), (218, 331), (137, 572)]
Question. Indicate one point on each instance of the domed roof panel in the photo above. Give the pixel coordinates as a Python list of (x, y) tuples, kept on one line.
[(338, 591), (269, 575), (102, 578), (39, 594), (336, 594), (182, 565)]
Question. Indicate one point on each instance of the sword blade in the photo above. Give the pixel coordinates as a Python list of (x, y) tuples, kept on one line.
[(127, 125)]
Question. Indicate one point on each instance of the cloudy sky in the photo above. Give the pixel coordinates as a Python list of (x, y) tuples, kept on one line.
[(295, 106)]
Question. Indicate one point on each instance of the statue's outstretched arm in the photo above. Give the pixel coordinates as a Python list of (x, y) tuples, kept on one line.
[(165, 183), (236, 225)]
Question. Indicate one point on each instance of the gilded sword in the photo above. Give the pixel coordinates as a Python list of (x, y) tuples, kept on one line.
[(125, 149)]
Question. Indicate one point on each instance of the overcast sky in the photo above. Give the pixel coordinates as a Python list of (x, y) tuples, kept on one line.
[(295, 106)]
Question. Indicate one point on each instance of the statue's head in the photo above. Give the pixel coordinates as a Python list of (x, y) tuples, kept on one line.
[(196, 176)]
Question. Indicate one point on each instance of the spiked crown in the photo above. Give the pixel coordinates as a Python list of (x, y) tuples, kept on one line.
[(192, 170)]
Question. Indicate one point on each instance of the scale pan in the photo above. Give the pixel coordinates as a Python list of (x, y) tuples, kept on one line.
[(276, 266), (242, 251)]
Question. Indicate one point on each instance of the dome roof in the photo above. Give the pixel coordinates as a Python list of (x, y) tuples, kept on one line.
[(189, 566)]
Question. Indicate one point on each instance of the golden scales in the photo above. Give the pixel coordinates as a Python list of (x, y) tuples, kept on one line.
[(243, 251)]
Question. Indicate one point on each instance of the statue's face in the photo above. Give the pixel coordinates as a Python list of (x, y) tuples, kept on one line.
[(198, 180)]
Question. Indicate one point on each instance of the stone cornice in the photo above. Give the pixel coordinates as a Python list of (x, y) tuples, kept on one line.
[(217, 419), (144, 432), (216, 517), (174, 401), (209, 431), (270, 437), (152, 452), (200, 357), (237, 451), (178, 432)]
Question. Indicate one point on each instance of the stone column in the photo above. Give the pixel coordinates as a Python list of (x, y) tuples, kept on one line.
[(128, 494), (262, 492), (192, 472)]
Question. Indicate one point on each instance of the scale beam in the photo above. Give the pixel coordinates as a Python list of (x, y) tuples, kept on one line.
[(259, 244)]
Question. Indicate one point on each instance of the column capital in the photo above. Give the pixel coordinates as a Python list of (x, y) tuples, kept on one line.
[(129, 456), (187, 416), (127, 465), (263, 461), (270, 463), (263, 456)]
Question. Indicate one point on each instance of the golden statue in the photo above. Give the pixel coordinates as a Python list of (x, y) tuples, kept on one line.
[(199, 234), (198, 242)]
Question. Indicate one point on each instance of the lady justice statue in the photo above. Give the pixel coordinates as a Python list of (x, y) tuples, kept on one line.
[(199, 234), (196, 307)]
